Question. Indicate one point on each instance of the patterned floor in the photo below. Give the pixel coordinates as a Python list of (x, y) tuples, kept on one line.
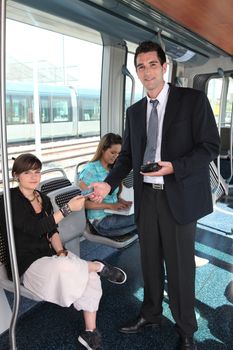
[(47, 326)]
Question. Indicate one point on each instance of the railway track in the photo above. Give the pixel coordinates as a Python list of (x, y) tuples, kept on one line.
[(61, 154), (53, 146)]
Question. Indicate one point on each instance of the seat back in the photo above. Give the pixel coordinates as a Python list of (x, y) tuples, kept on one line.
[(3, 257), (60, 190), (127, 192), (53, 184), (78, 168), (72, 227), (3, 248), (128, 181), (218, 186), (6, 313), (50, 184), (225, 135)]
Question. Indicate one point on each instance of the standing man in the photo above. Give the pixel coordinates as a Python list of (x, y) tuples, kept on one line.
[(169, 201)]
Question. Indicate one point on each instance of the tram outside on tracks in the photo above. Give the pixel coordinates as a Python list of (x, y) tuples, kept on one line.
[(69, 113), (68, 72)]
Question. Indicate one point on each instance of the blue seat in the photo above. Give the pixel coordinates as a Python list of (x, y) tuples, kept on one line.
[(54, 183), (72, 227)]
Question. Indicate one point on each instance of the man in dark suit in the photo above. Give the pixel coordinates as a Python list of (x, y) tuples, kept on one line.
[(169, 201)]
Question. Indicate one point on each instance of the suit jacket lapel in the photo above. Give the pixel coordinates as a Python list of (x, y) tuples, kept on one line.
[(142, 127), (142, 112), (171, 108)]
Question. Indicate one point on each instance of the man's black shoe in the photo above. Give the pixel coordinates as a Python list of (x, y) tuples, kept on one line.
[(187, 343), (137, 326)]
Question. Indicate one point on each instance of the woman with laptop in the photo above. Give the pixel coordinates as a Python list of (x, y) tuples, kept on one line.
[(112, 217)]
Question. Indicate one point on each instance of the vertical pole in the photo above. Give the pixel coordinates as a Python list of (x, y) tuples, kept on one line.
[(36, 108), (5, 175)]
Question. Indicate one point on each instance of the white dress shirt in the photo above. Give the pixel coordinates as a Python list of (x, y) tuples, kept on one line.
[(162, 98)]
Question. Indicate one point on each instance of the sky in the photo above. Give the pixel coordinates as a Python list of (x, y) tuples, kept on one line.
[(26, 43)]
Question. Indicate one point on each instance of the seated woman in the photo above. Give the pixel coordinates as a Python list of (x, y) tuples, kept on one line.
[(106, 224), (46, 268)]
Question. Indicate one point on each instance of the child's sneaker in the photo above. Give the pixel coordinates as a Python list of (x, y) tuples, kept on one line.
[(112, 273), (91, 340)]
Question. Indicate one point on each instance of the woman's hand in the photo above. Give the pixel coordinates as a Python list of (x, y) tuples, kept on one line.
[(76, 203), (123, 201), (57, 245), (120, 205)]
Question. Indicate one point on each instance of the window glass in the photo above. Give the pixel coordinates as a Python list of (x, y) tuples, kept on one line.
[(89, 105), (45, 109), (61, 107), (8, 110), (52, 88), (19, 110), (214, 91), (229, 104)]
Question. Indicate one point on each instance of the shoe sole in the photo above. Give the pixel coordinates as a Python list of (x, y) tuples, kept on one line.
[(106, 264), (84, 343), (124, 280), (153, 326)]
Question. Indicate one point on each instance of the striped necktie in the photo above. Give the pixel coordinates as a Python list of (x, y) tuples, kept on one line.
[(152, 134)]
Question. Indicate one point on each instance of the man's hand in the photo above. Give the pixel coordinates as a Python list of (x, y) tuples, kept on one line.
[(101, 190), (167, 168)]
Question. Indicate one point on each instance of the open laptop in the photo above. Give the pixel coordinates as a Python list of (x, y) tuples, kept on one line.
[(128, 211), (128, 195)]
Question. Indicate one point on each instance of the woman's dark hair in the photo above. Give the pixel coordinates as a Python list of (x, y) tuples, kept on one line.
[(25, 162), (149, 46), (106, 142)]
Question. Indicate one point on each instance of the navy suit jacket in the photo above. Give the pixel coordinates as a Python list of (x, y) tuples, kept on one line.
[(190, 140)]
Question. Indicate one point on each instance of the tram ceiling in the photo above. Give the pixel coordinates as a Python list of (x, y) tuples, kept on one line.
[(213, 20), (132, 21)]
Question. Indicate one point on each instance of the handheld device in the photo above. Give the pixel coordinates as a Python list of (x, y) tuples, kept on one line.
[(150, 167), (87, 192)]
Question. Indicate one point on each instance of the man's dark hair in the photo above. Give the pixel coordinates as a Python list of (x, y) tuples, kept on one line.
[(149, 46)]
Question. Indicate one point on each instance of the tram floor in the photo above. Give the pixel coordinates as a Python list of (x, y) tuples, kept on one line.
[(47, 326)]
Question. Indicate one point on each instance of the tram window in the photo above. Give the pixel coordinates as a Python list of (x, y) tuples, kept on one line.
[(214, 91), (90, 110), (61, 108), (138, 85), (8, 110), (229, 103), (88, 104), (58, 66), (45, 110), (18, 110), (221, 103)]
